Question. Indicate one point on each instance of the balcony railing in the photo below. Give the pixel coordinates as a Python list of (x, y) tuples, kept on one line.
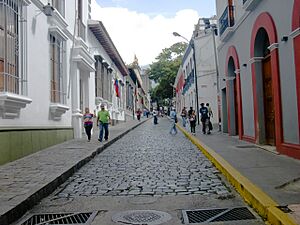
[(81, 30), (227, 19), (249, 5)]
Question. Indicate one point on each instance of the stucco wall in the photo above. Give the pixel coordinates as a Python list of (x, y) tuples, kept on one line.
[(241, 40)]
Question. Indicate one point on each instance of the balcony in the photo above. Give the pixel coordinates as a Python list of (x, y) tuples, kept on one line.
[(226, 22), (249, 5), (227, 19)]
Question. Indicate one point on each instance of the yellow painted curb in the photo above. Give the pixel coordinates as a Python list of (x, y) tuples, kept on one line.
[(254, 196)]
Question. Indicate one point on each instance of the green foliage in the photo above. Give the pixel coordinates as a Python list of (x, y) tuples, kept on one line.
[(164, 71)]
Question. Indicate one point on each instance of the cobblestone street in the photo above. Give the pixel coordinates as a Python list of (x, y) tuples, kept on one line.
[(147, 169), (147, 161)]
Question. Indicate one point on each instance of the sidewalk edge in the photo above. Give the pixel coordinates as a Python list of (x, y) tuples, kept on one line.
[(253, 196), (19, 210)]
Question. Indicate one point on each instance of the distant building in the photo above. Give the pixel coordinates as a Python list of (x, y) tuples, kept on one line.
[(111, 72), (141, 99), (204, 42)]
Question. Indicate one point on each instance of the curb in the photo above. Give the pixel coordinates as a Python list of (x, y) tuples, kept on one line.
[(19, 210), (266, 207)]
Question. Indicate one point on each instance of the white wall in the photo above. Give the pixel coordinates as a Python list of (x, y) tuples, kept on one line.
[(206, 72)]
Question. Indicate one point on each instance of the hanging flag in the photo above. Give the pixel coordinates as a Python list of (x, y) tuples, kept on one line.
[(117, 88)]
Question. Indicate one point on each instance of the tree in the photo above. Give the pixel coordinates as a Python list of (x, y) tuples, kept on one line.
[(164, 71)]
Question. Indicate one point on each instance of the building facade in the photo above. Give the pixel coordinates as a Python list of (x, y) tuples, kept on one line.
[(260, 79), (203, 43), (53, 64), (110, 75), (135, 84)]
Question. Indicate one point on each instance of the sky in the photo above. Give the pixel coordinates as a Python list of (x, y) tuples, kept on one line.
[(144, 27)]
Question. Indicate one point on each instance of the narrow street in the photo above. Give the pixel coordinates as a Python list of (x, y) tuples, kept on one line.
[(147, 169)]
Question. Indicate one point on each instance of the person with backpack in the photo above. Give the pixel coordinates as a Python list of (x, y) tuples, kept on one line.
[(204, 118)]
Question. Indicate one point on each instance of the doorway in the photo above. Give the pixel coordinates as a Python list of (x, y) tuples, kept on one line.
[(269, 108)]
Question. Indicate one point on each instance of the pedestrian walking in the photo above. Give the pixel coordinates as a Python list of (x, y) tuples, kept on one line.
[(193, 119), (190, 112), (138, 114), (204, 117), (155, 117), (173, 117), (103, 119), (184, 116), (210, 115), (88, 122)]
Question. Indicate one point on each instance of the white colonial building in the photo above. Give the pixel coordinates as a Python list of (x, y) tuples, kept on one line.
[(203, 43), (259, 57), (54, 62)]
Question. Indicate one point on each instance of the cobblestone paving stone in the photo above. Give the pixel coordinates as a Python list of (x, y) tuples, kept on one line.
[(147, 161)]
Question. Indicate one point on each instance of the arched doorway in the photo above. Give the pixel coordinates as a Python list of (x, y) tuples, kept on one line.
[(234, 96), (266, 82), (266, 106), (233, 102)]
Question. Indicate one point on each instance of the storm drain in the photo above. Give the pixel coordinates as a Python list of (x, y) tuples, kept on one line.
[(144, 217), (61, 218), (216, 215)]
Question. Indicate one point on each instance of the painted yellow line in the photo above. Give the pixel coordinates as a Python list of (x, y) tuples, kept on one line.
[(254, 196)]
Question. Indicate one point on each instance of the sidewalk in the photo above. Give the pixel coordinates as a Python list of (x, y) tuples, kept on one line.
[(265, 180), (26, 181)]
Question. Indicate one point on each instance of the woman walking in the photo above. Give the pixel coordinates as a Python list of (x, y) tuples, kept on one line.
[(88, 123), (193, 120)]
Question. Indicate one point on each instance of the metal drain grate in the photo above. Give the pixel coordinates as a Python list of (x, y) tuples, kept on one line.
[(145, 217), (60, 218), (216, 215)]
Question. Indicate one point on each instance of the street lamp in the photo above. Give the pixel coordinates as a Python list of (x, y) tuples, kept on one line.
[(192, 43), (178, 35)]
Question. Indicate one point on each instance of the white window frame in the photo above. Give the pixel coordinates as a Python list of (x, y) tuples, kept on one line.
[(13, 54), (13, 47), (57, 69)]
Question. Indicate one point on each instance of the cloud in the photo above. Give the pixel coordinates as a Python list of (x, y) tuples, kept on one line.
[(142, 34)]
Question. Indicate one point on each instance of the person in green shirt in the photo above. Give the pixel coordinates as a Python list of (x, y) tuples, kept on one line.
[(103, 119)]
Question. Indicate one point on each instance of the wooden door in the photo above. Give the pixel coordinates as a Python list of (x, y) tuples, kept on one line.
[(269, 110)]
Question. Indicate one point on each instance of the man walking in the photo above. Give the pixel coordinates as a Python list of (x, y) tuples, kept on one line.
[(103, 119), (204, 118)]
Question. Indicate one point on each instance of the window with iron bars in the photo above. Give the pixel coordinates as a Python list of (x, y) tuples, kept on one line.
[(13, 47), (57, 53)]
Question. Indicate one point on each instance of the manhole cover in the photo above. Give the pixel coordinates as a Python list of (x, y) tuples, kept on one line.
[(144, 217), (60, 218), (216, 215)]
